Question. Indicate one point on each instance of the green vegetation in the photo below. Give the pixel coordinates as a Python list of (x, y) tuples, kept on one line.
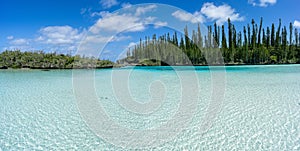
[(254, 45), (41, 60)]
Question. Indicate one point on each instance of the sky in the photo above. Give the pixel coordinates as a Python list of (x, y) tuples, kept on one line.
[(109, 27)]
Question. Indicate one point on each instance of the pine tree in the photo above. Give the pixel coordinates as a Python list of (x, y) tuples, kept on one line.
[(253, 41), (229, 40), (234, 43), (181, 44), (200, 40), (245, 54), (296, 37), (224, 44), (284, 43), (186, 36), (291, 37), (187, 44), (238, 55), (279, 53), (209, 32), (168, 38), (268, 38), (249, 37), (199, 44), (175, 39), (273, 35), (264, 38), (217, 35), (264, 51), (259, 32)]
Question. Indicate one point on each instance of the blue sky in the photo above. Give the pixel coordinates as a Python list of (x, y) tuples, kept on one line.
[(61, 25)]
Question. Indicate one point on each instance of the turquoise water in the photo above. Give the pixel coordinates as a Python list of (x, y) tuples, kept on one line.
[(260, 110)]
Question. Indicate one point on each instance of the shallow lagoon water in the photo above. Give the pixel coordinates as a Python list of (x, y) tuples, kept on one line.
[(260, 111)]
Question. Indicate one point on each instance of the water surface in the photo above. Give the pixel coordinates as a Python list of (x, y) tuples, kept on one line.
[(261, 109)]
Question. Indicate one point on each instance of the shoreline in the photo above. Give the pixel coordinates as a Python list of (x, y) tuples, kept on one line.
[(138, 65)]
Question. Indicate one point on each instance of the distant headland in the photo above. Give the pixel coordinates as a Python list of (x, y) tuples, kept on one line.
[(40, 60)]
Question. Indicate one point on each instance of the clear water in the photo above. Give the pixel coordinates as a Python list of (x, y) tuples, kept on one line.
[(261, 109)]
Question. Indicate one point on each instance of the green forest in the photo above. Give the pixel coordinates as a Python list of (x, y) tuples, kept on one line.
[(42, 60), (255, 44)]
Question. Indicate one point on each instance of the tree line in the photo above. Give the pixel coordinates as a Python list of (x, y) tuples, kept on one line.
[(42, 60), (255, 44)]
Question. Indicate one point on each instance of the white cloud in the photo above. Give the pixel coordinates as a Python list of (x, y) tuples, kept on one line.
[(143, 10), (107, 52), (188, 17), (126, 5), (262, 3), (160, 24), (108, 3), (266, 2), (119, 22), (10, 37), (134, 20), (50, 39), (101, 14), (18, 44), (114, 22), (120, 38), (104, 39), (297, 24), (97, 39), (20, 41), (221, 13), (59, 35)]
